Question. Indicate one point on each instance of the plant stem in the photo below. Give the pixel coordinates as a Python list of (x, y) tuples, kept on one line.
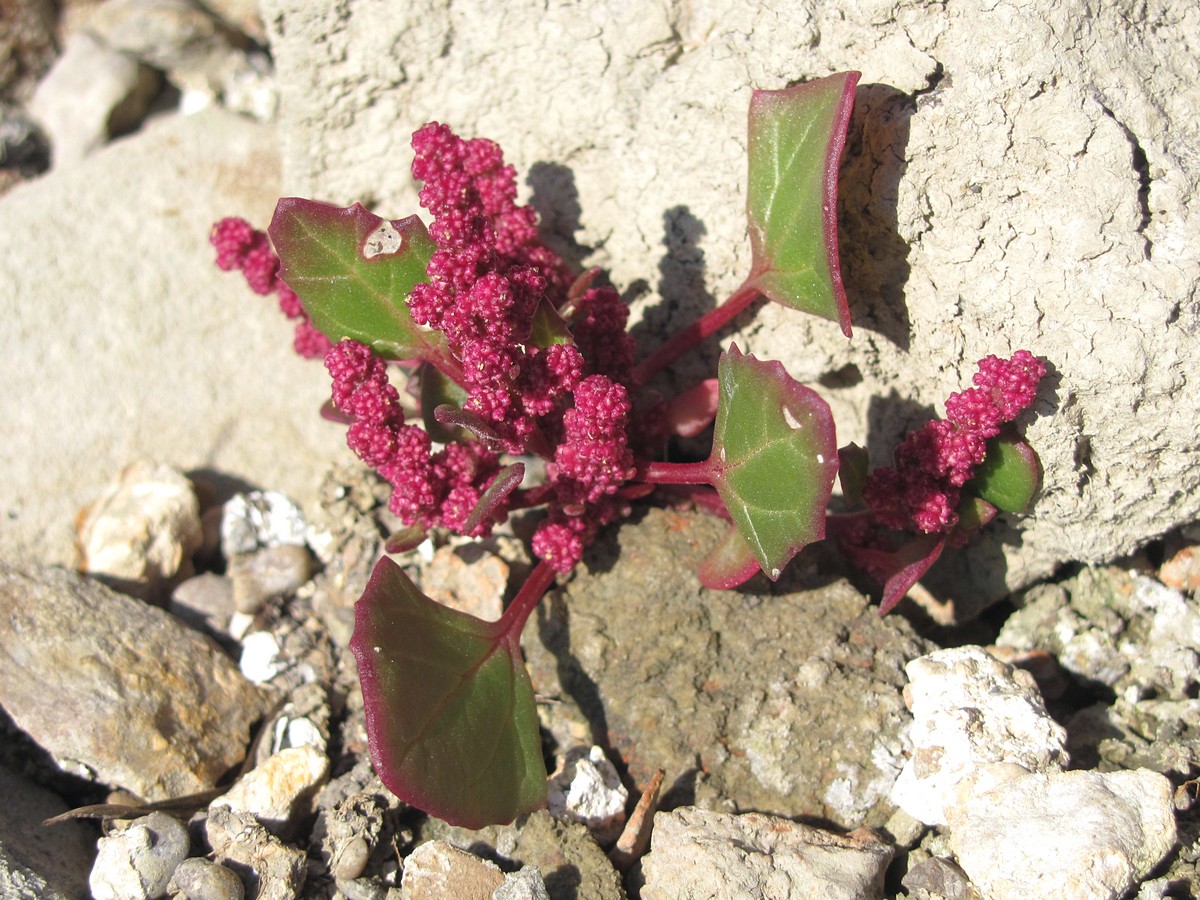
[(687, 338), (514, 618), (673, 473)]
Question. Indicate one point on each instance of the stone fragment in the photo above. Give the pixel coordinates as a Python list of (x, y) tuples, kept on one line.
[(141, 533), (23, 147), (524, 884), (700, 853), (204, 602), (586, 788), (971, 710), (1064, 834), (438, 869), (200, 879), (279, 792), (571, 862), (266, 575), (117, 688), (37, 861), (91, 93), (1163, 735), (258, 519), (269, 868), (775, 702), (137, 863), (261, 658), (935, 877)]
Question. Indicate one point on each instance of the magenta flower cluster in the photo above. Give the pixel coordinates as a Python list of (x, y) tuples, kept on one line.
[(932, 463), (240, 246)]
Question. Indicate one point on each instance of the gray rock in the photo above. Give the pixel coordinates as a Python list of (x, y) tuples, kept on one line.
[(934, 877), (571, 862), (524, 884), (39, 862), (176, 361), (269, 868), (91, 94), (698, 853), (199, 879), (970, 711), (1070, 211), (438, 869), (788, 703), (139, 536), (121, 689), (137, 862), (204, 602), (1065, 834), (267, 574)]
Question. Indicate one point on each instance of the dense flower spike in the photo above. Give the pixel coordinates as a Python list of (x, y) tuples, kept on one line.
[(922, 492), (240, 246)]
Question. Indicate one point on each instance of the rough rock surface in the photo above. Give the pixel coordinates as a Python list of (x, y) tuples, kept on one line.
[(138, 861), (1065, 834), (697, 853), (971, 711), (173, 359), (786, 703), (1017, 175), (119, 688)]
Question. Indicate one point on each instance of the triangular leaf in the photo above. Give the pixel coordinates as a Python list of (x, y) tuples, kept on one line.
[(1009, 475), (450, 711), (796, 141), (729, 564), (898, 570), (774, 458), (353, 271)]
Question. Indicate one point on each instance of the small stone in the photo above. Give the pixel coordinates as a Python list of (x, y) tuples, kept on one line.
[(1064, 834), (467, 578), (970, 710), (200, 879), (119, 688), (700, 853), (142, 531), (279, 792), (266, 574), (91, 93), (204, 602), (270, 869), (137, 863), (525, 884), (938, 877), (586, 788), (1182, 569), (259, 519), (261, 657), (438, 869)]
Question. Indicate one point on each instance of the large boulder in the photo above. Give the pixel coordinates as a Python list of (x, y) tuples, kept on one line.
[(1017, 175)]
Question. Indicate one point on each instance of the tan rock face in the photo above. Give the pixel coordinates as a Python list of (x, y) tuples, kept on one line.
[(118, 688), (1017, 175)]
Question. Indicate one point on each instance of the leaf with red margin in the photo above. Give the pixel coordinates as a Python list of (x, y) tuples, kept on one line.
[(1009, 475), (451, 720), (774, 458), (353, 271), (899, 569), (729, 564), (796, 140)]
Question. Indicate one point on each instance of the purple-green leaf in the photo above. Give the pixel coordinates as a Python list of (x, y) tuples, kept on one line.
[(774, 458), (796, 141), (353, 271), (450, 712), (729, 564), (1009, 476)]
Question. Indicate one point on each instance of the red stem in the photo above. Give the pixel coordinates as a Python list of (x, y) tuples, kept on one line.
[(527, 599), (673, 473), (687, 338)]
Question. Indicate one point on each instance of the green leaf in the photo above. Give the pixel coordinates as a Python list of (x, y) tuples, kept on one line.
[(450, 711), (796, 141), (353, 271), (774, 458), (1009, 476)]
